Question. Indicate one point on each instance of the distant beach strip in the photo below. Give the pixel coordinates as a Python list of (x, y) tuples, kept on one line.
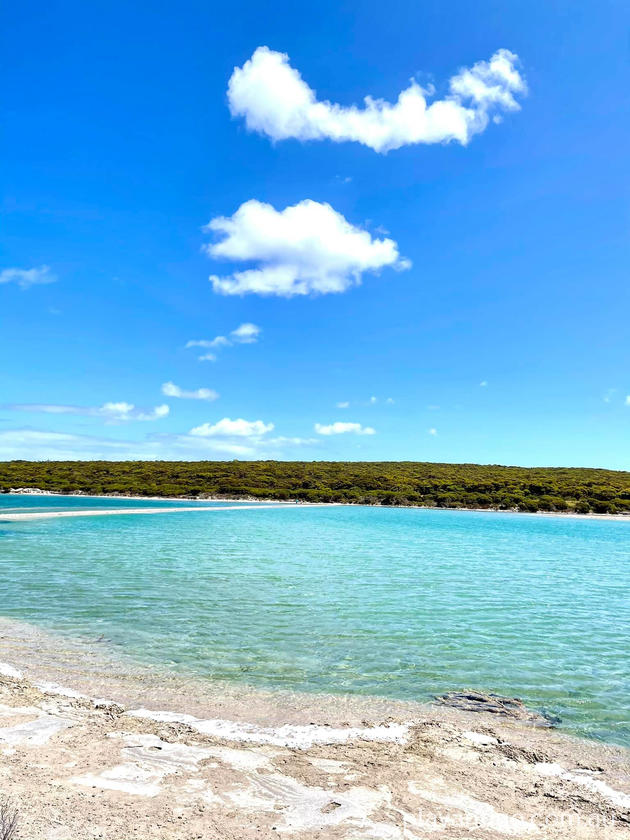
[(57, 514)]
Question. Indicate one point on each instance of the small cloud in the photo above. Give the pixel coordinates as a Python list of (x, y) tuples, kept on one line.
[(433, 408), (246, 334), (170, 389), (27, 277), (373, 400), (233, 428), (432, 432), (343, 405), (158, 412), (207, 357), (628, 400), (389, 401), (610, 393), (340, 428), (483, 384), (305, 249)]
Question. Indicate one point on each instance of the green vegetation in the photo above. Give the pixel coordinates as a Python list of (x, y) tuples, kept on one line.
[(385, 482)]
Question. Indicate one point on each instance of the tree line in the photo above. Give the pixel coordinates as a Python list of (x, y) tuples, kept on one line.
[(380, 482)]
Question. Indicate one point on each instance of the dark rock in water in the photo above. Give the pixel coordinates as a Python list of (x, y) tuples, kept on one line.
[(510, 707)]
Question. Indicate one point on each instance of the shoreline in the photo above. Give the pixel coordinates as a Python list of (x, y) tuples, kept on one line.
[(240, 500), (92, 666), (32, 515), (164, 760)]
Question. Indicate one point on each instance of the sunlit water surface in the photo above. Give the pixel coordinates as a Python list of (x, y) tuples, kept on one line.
[(396, 602)]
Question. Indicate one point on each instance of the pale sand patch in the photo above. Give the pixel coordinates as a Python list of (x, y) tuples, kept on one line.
[(586, 778), (149, 760), (296, 737), (473, 811), (7, 670), (34, 732)]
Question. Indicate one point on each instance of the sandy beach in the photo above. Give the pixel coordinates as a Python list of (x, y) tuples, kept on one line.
[(162, 758), (59, 514)]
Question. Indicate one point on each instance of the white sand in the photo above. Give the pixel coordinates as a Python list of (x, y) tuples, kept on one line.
[(58, 514)]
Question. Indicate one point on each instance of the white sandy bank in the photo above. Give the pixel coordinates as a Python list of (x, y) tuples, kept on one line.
[(58, 514)]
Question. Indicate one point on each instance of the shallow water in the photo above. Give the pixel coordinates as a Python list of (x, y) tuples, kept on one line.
[(396, 602)]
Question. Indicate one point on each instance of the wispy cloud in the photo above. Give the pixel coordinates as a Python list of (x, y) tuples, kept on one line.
[(246, 333), (114, 412), (341, 428), (274, 100), (219, 341), (27, 277), (43, 445), (170, 389), (229, 439), (307, 248), (371, 401), (432, 432), (483, 384)]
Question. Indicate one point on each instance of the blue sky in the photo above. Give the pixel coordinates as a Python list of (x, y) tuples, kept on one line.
[(459, 281)]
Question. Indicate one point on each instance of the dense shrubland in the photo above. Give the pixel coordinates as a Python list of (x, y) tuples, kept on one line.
[(385, 482)]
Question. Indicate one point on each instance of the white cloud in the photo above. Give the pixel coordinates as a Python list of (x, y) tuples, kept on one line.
[(27, 277), (483, 384), (240, 438), (343, 405), (389, 401), (48, 445), (373, 400), (244, 334), (628, 400), (233, 428), (219, 341), (432, 432), (170, 389), (304, 249), (157, 413), (275, 100), (340, 428), (113, 412)]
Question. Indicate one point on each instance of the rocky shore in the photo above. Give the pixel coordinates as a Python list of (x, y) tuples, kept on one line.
[(78, 768)]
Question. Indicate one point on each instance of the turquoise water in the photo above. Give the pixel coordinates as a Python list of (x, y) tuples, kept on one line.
[(397, 602)]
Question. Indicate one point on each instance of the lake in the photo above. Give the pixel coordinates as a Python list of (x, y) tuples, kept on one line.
[(401, 603)]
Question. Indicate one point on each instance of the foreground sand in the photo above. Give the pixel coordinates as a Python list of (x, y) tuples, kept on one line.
[(169, 762)]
